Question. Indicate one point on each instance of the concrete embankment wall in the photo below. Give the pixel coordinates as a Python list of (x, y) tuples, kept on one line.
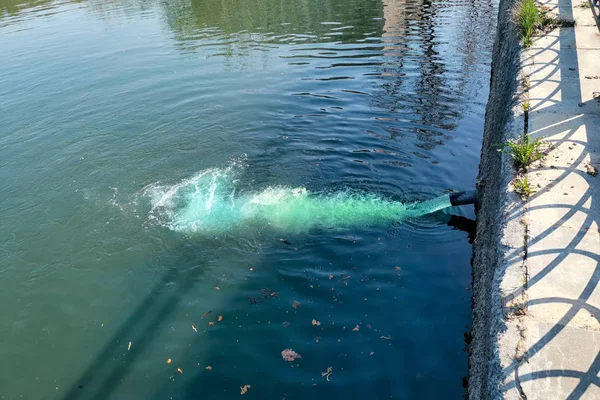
[(497, 262)]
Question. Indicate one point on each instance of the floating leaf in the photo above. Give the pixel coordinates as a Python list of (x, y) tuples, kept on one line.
[(169, 361), (397, 268), (371, 353), (217, 288), (129, 347), (317, 339), (356, 328), (290, 355), (330, 277), (194, 328), (244, 389), (220, 318), (208, 368), (315, 322), (296, 304), (180, 370), (211, 323)]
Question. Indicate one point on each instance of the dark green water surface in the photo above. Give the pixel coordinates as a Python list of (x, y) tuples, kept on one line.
[(135, 135)]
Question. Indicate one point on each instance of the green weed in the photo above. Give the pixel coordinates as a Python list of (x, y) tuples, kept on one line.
[(526, 16), (523, 187), (532, 19), (524, 151)]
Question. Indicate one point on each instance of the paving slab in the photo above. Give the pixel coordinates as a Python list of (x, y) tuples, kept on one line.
[(561, 326), (564, 363)]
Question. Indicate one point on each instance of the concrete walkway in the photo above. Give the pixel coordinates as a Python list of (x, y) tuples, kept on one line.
[(561, 335)]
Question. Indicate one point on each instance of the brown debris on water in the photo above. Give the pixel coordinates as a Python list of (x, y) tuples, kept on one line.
[(265, 294), (296, 304), (290, 355), (315, 322), (356, 328), (244, 389), (206, 314), (327, 374), (285, 324), (220, 318), (208, 368)]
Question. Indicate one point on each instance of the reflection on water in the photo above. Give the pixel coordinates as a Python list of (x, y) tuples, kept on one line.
[(101, 100)]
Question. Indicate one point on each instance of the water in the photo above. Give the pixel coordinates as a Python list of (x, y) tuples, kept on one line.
[(165, 163), (208, 203)]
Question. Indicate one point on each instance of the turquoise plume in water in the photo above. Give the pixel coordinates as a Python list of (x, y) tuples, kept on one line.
[(208, 203)]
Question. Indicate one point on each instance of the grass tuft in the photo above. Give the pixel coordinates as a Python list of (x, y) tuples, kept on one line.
[(524, 151), (523, 188), (532, 19), (527, 16)]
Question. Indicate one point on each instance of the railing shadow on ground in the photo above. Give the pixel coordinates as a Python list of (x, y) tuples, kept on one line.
[(562, 126)]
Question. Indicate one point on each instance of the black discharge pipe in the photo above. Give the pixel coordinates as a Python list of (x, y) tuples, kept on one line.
[(462, 198)]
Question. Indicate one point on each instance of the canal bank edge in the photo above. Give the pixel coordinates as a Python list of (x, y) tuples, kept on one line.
[(499, 274), (536, 268)]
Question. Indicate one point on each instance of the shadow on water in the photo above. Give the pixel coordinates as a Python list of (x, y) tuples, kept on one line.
[(227, 349), (104, 374)]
